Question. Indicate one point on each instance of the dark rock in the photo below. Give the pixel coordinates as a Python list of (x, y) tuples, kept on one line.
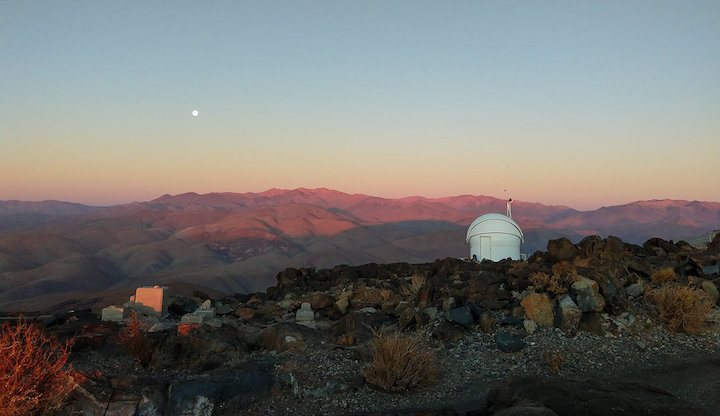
[(511, 321), (494, 304), (320, 301), (234, 389), (447, 332), (591, 398), (476, 311), (201, 295), (508, 343), (461, 315), (562, 249), (180, 305), (665, 246), (592, 322)]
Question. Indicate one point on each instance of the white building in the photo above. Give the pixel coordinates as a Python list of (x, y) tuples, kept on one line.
[(494, 237)]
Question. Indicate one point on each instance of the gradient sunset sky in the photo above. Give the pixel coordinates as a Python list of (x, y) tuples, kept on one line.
[(577, 103)]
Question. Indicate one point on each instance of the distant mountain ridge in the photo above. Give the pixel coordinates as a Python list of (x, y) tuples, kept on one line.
[(238, 242)]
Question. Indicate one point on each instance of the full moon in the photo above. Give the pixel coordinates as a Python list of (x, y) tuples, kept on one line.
[(195, 113)]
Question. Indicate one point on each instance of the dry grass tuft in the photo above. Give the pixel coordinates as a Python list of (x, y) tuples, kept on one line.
[(401, 362), (554, 359), (33, 377), (662, 276), (134, 338), (417, 281), (347, 338), (685, 309)]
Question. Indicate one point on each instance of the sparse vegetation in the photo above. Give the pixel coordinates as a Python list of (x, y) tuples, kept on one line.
[(347, 338), (554, 359), (685, 309), (417, 281), (401, 362), (564, 275), (135, 339), (662, 276), (34, 379)]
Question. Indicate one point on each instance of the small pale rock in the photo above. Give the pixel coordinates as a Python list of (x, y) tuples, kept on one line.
[(342, 304), (162, 326), (635, 290), (431, 312), (206, 305), (368, 309), (530, 326)]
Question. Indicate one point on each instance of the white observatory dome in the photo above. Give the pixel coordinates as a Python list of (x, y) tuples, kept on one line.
[(494, 237)]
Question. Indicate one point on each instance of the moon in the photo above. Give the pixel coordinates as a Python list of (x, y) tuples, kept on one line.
[(195, 113)]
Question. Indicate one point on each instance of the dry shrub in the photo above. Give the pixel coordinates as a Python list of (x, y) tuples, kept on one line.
[(134, 338), (563, 267), (554, 359), (540, 280), (662, 276), (417, 281), (33, 377), (401, 362), (685, 309), (557, 283), (347, 338)]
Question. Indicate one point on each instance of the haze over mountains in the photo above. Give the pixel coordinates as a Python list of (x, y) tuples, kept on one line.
[(238, 242)]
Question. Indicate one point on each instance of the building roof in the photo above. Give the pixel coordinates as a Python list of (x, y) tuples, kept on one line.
[(494, 224)]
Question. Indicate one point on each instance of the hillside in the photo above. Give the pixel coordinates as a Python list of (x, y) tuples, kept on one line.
[(238, 242)]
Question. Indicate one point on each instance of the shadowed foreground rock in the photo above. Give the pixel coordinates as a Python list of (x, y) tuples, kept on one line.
[(589, 398)]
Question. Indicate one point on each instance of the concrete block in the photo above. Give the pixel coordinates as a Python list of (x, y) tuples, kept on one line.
[(305, 313), (112, 313), (151, 300)]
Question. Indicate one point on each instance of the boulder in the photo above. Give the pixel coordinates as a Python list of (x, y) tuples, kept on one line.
[(588, 295), (539, 308), (562, 249), (567, 315), (461, 315), (320, 301)]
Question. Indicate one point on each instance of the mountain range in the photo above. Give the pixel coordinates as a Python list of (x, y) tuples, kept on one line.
[(238, 242)]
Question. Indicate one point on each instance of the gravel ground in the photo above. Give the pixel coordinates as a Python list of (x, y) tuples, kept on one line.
[(328, 380)]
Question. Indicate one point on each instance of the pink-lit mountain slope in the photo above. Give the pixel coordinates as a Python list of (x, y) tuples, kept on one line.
[(238, 242)]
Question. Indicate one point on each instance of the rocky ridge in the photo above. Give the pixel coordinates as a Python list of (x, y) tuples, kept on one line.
[(571, 330)]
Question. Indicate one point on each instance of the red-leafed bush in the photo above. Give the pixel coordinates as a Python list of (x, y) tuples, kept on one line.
[(134, 337), (33, 377)]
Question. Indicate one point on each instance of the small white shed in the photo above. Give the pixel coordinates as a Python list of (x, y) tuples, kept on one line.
[(494, 237)]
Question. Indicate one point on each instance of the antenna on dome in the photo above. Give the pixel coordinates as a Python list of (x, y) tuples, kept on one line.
[(508, 204)]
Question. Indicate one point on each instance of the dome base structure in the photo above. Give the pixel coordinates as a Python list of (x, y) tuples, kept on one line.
[(494, 237)]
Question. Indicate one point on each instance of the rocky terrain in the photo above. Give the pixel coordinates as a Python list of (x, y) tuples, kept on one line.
[(52, 252), (573, 330)]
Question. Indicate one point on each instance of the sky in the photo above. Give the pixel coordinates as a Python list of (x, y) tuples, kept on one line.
[(584, 104)]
